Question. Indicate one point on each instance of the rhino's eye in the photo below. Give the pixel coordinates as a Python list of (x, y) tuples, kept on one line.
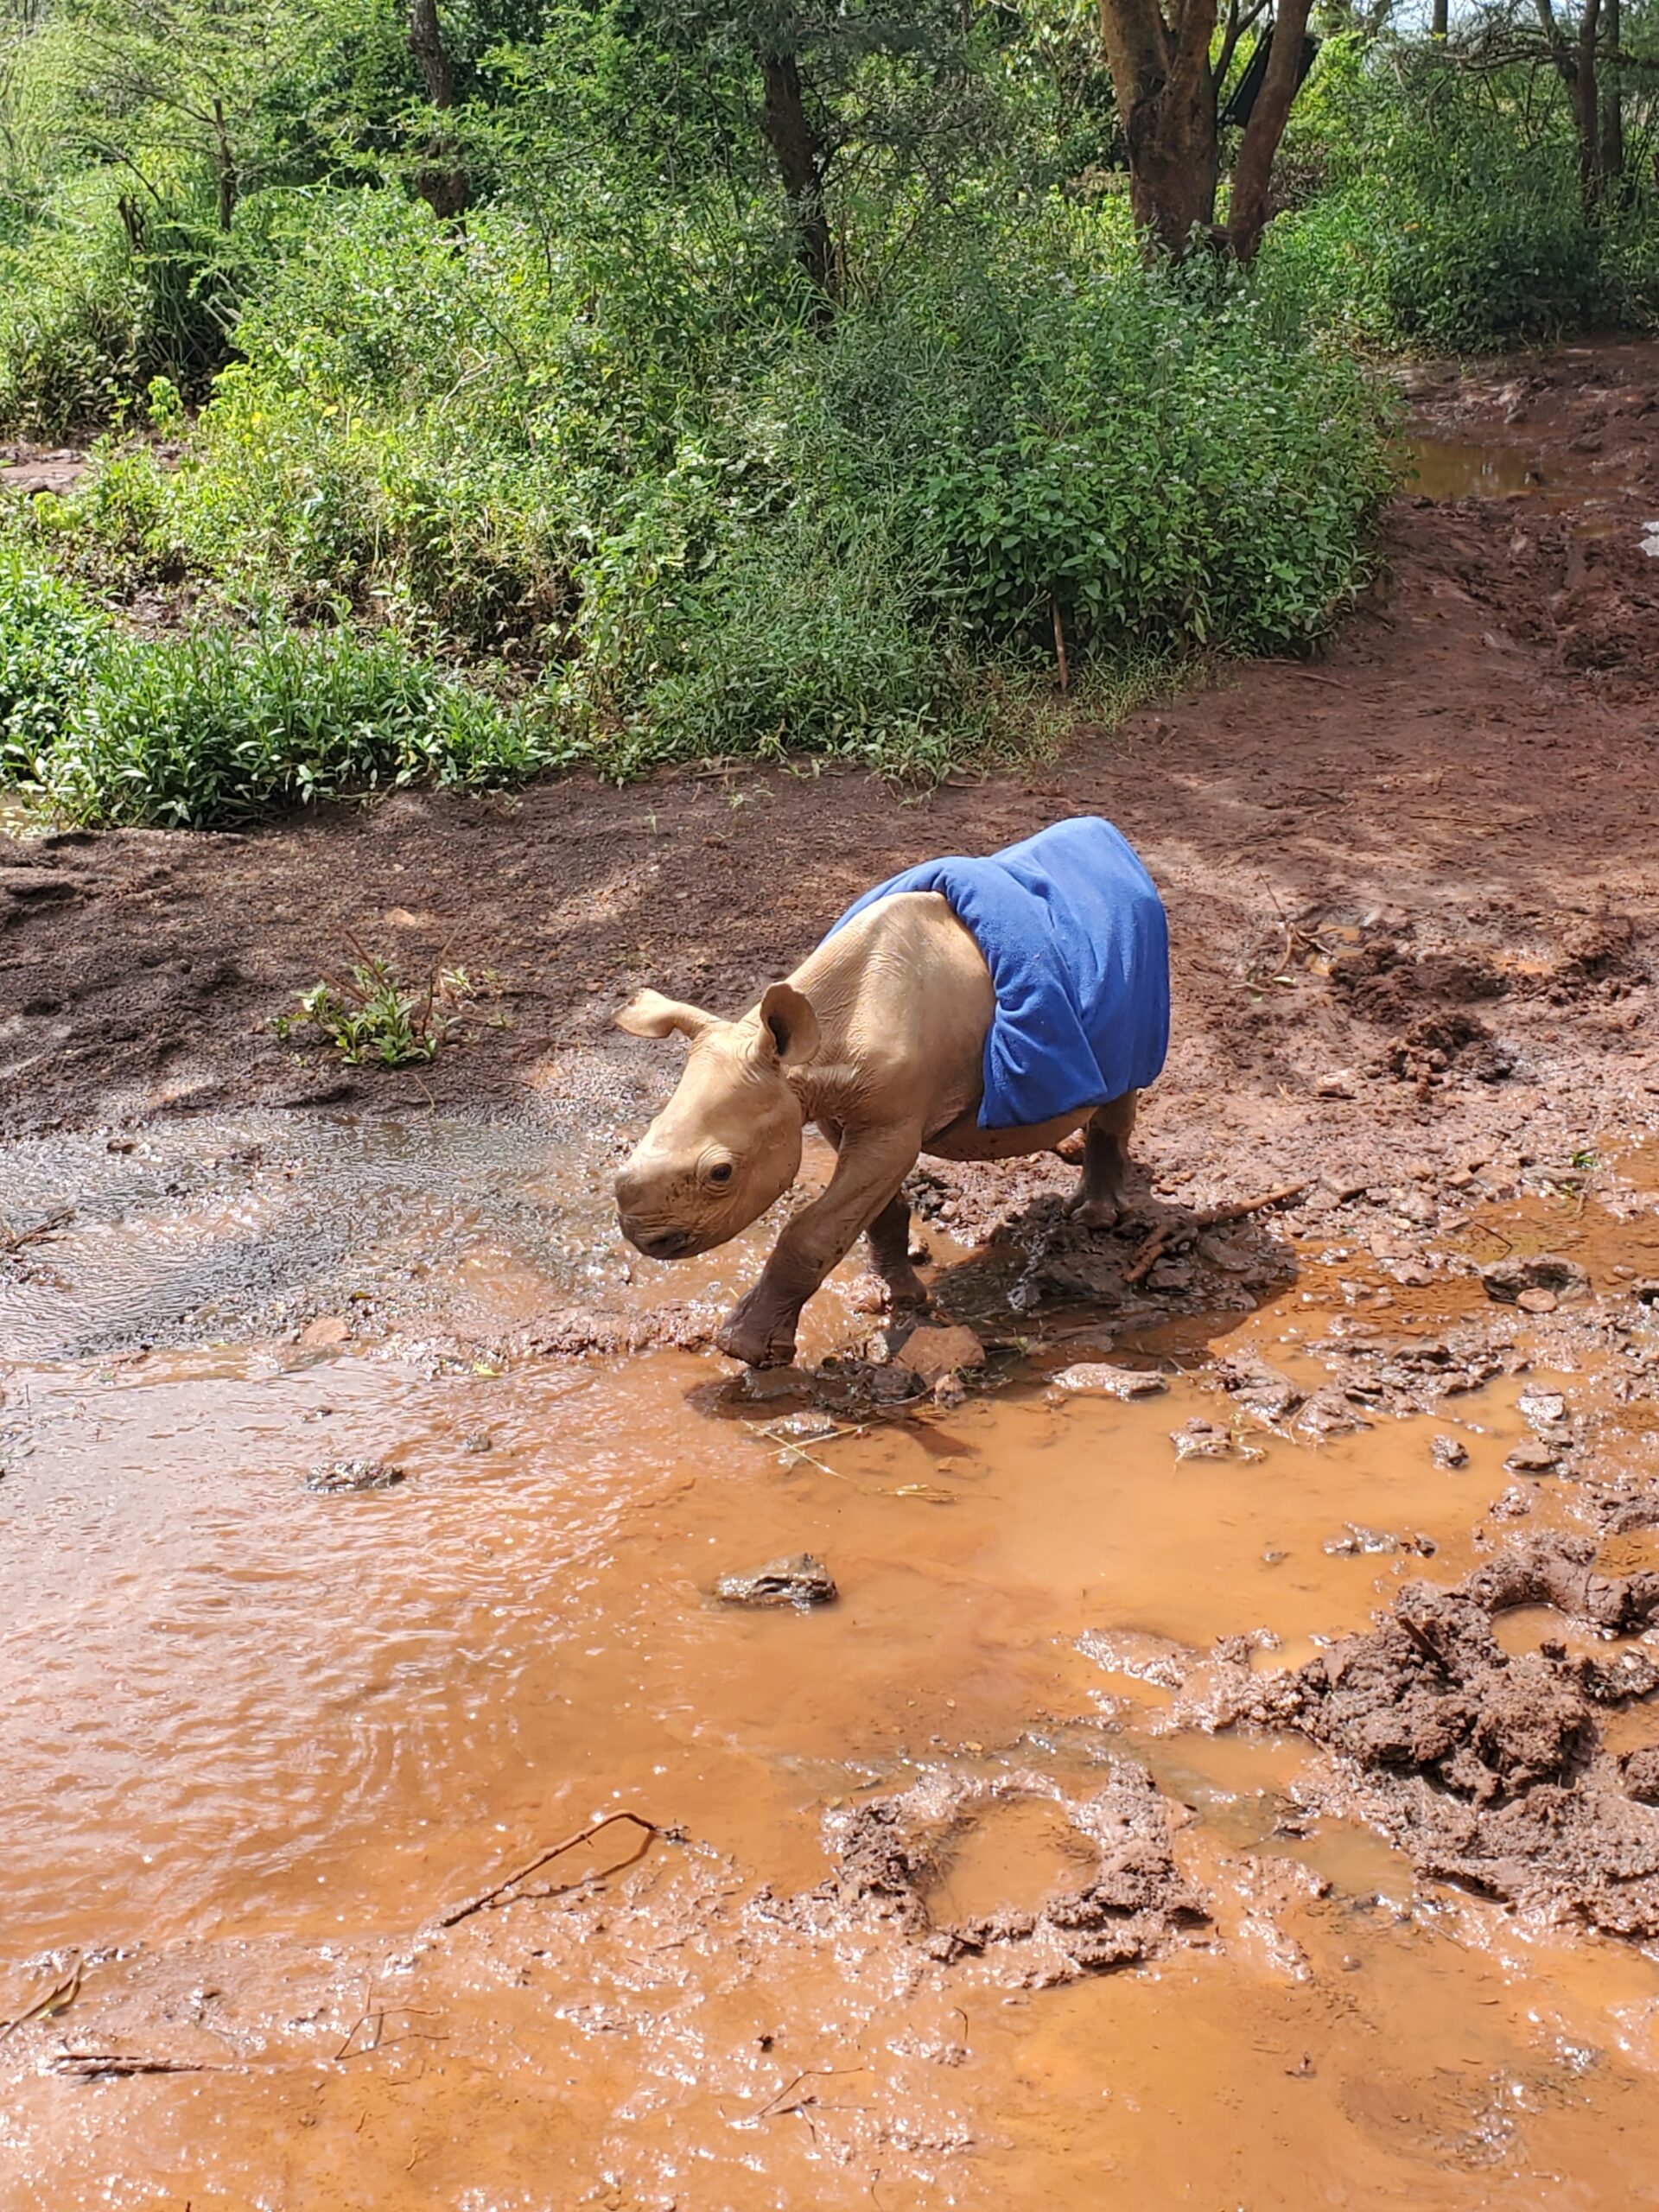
[(720, 1171)]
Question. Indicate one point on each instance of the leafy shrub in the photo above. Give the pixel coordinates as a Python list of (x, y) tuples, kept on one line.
[(811, 636), (1454, 221), (94, 306), (371, 1016), (211, 729), (52, 643), (1147, 455)]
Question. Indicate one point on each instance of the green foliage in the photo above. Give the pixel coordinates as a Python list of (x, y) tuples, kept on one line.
[(52, 642), (105, 294), (600, 452), (718, 534), (1452, 219), (372, 1017), (1143, 452), (210, 729)]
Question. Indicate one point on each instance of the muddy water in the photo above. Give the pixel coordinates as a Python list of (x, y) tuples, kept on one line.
[(1456, 468), (257, 1741)]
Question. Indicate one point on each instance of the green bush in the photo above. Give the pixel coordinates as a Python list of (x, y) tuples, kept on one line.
[(1452, 220), (94, 304), (52, 642), (211, 729), (812, 551)]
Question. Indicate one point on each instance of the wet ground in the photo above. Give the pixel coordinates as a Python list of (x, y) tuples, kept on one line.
[(265, 1743), (1240, 1793)]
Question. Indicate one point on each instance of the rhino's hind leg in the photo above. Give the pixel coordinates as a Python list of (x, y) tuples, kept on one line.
[(1097, 1202), (889, 1238)]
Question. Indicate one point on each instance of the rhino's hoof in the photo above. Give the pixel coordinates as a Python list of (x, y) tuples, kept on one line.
[(755, 1347), (1094, 1213)]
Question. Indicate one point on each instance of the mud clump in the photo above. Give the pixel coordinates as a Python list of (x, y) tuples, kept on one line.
[(1432, 1044), (591, 1332), (1385, 985), (349, 1478), (1598, 949), (799, 1579), (1489, 1770), (1508, 1281), (1130, 1904)]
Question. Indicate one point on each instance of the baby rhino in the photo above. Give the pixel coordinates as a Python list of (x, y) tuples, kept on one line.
[(973, 1009)]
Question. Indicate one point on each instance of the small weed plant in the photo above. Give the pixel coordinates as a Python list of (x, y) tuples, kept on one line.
[(372, 1019)]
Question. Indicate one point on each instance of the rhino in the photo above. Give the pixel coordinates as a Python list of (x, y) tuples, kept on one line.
[(899, 1036)]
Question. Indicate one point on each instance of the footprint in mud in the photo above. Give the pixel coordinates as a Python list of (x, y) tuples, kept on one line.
[(1056, 1887)]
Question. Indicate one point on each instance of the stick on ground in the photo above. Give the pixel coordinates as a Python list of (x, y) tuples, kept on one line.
[(491, 1897), (1168, 1232)]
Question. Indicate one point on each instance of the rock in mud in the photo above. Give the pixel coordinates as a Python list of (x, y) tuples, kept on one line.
[(1259, 1390), (1355, 1540), (1543, 1408), (1099, 1379), (799, 1579), (1327, 1413), (931, 1354), (1130, 1904), (1488, 1768), (1508, 1281), (342, 1477), (1447, 1451), (1202, 1439), (1534, 1458)]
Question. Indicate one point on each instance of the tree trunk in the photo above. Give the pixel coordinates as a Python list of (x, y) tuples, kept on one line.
[(444, 183), (1253, 171), (1613, 104), (1587, 108), (1165, 94), (224, 180), (799, 154), (1440, 21)]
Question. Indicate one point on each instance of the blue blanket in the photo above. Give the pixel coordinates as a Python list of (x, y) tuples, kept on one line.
[(1073, 932)]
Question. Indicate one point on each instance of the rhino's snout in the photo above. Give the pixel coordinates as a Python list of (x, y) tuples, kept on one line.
[(658, 1244)]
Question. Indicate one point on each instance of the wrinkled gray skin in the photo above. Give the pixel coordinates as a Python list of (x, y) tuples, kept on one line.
[(879, 1039)]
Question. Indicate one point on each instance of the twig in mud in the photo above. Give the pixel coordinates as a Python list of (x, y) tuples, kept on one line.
[(1309, 674), (774, 2108), (13, 1240), (1168, 1232), (120, 2065), (490, 1899), (373, 2044), (55, 2000), (768, 1432)]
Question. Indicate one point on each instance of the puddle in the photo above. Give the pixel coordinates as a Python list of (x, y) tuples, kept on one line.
[(258, 1743), (1457, 468)]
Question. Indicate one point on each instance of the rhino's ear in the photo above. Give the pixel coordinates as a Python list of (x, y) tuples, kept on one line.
[(652, 1015), (789, 1027)]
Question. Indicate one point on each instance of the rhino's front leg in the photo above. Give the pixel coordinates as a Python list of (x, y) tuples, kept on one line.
[(870, 1166)]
